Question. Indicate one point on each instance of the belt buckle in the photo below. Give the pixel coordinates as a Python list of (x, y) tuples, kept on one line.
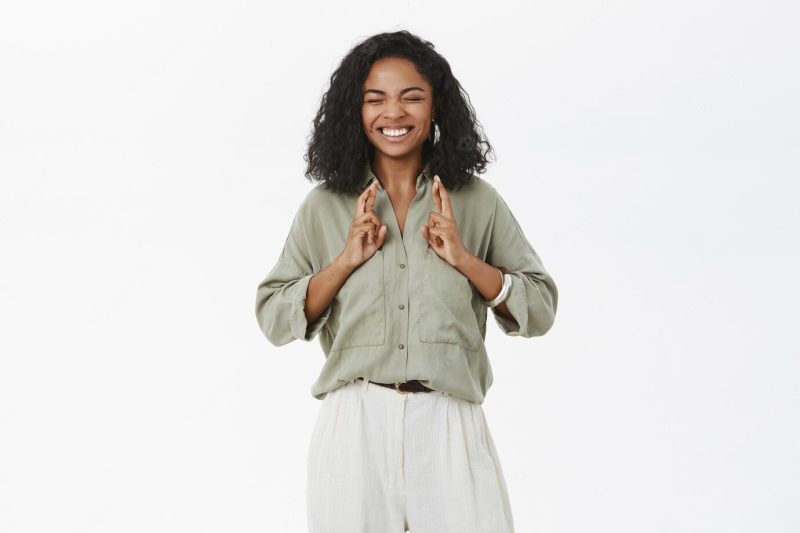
[(397, 388)]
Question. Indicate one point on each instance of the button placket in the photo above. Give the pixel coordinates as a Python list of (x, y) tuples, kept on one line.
[(396, 245)]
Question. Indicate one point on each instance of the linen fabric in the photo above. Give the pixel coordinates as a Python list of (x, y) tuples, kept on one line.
[(405, 313), (425, 462)]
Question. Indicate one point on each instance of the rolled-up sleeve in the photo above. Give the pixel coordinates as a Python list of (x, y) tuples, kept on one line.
[(533, 298), (281, 296)]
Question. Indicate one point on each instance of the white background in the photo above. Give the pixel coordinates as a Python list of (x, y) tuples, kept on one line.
[(151, 161)]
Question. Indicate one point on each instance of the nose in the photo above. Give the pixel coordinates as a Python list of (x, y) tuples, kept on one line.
[(393, 109)]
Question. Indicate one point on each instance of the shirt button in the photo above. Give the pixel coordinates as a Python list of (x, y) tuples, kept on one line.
[(401, 346), (402, 265), (402, 306)]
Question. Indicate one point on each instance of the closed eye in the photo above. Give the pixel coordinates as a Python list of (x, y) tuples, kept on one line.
[(408, 100)]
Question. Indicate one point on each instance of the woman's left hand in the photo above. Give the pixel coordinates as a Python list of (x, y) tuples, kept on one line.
[(441, 232)]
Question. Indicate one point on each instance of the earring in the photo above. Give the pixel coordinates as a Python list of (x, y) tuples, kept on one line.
[(434, 133)]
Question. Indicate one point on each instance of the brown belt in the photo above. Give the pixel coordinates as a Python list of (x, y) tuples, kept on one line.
[(409, 386)]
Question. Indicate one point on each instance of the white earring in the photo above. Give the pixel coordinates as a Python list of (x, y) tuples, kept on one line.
[(435, 132)]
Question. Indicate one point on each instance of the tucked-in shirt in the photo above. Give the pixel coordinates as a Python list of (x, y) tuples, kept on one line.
[(405, 313)]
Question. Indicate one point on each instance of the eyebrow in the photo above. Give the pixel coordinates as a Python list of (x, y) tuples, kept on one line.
[(404, 91)]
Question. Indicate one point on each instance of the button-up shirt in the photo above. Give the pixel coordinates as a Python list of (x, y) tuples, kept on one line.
[(405, 313)]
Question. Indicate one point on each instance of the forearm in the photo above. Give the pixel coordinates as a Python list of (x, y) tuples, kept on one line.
[(323, 287), (486, 279)]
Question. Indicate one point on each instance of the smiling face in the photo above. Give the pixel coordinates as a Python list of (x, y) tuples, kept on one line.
[(397, 109)]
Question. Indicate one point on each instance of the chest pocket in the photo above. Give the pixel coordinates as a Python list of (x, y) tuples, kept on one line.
[(361, 315), (446, 314)]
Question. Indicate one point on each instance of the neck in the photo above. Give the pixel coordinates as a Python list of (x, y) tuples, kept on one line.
[(397, 174)]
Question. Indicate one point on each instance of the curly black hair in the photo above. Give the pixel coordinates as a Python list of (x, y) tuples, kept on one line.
[(339, 150)]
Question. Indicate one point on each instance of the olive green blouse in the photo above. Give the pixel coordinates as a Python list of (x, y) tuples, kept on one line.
[(405, 313)]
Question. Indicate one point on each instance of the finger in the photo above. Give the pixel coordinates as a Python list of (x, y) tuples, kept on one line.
[(369, 216), (372, 192), (360, 230), (371, 234), (426, 234), (437, 234), (373, 219), (376, 227), (437, 202), (436, 230), (432, 239), (381, 235), (437, 220), (373, 216), (444, 197), (361, 202)]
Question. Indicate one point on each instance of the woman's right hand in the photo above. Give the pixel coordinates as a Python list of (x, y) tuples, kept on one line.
[(366, 233)]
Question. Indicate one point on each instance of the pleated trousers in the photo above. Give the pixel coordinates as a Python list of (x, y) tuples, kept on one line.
[(384, 462)]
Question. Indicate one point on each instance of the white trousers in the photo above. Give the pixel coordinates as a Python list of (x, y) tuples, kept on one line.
[(384, 462)]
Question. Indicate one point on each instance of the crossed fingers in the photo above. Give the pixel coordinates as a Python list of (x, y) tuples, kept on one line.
[(441, 218), (366, 200), (441, 198), (365, 212)]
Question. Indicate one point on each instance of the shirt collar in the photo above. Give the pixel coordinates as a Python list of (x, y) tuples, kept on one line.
[(369, 175)]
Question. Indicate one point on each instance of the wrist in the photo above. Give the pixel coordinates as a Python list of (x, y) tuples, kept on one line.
[(461, 262), (340, 264)]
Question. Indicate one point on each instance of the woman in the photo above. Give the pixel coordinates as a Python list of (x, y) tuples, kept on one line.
[(393, 259)]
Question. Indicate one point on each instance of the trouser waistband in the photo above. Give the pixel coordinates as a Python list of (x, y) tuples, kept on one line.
[(408, 386)]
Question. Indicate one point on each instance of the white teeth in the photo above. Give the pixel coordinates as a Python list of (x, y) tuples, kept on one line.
[(395, 133)]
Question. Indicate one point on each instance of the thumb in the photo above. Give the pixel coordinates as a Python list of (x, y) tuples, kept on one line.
[(425, 234), (381, 235)]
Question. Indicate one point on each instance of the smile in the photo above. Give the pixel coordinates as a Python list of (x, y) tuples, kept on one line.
[(395, 133)]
